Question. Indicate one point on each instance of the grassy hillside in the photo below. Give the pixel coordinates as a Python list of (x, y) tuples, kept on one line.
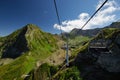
[(32, 44), (30, 47), (108, 34), (77, 43), (84, 66)]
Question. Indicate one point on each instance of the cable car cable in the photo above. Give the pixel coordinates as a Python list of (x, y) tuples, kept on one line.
[(93, 15)]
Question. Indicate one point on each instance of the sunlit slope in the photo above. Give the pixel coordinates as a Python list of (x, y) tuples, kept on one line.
[(27, 45)]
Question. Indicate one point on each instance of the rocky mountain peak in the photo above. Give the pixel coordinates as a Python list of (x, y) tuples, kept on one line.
[(29, 28)]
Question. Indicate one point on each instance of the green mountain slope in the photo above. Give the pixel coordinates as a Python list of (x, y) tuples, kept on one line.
[(31, 53), (26, 46), (87, 65)]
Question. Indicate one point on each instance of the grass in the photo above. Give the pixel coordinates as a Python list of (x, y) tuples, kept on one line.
[(106, 32), (15, 70), (40, 46), (46, 72), (72, 73), (79, 43), (69, 74)]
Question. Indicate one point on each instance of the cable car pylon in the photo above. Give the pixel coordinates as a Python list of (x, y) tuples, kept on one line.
[(67, 48)]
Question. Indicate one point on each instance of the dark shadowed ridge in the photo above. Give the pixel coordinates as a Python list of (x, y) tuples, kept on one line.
[(16, 42)]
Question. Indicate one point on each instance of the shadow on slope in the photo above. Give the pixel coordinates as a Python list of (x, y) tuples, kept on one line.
[(17, 47)]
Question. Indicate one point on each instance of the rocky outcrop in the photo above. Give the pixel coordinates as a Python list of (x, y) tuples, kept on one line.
[(96, 64)]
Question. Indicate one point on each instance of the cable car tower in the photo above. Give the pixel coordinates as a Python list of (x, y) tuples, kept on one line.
[(67, 49)]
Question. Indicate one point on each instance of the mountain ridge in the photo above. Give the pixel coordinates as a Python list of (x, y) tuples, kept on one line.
[(36, 47), (91, 32), (17, 41), (29, 47), (28, 38)]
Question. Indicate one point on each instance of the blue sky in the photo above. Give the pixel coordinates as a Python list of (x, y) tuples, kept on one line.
[(15, 14)]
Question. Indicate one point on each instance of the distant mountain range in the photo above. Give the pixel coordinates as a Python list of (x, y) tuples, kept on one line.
[(114, 25), (118, 20), (91, 32)]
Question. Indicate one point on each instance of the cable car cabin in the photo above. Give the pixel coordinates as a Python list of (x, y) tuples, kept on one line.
[(99, 46)]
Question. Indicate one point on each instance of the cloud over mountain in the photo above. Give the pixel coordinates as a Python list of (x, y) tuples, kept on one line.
[(104, 16)]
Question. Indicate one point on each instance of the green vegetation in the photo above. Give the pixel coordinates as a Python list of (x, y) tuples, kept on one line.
[(78, 41), (39, 44), (34, 45), (106, 32), (69, 74), (10, 39), (44, 72), (84, 42), (77, 44), (110, 32), (72, 72), (17, 69)]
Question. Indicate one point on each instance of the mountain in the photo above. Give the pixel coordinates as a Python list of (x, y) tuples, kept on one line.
[(88, 64), (92, 32), (28, 38), (118, 20), (29, 47), (16, 44), (99, 64), (89, 32), (31, 54), (114, 25)]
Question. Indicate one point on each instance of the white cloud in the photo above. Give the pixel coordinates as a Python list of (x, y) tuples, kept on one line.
[(105, 15)]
